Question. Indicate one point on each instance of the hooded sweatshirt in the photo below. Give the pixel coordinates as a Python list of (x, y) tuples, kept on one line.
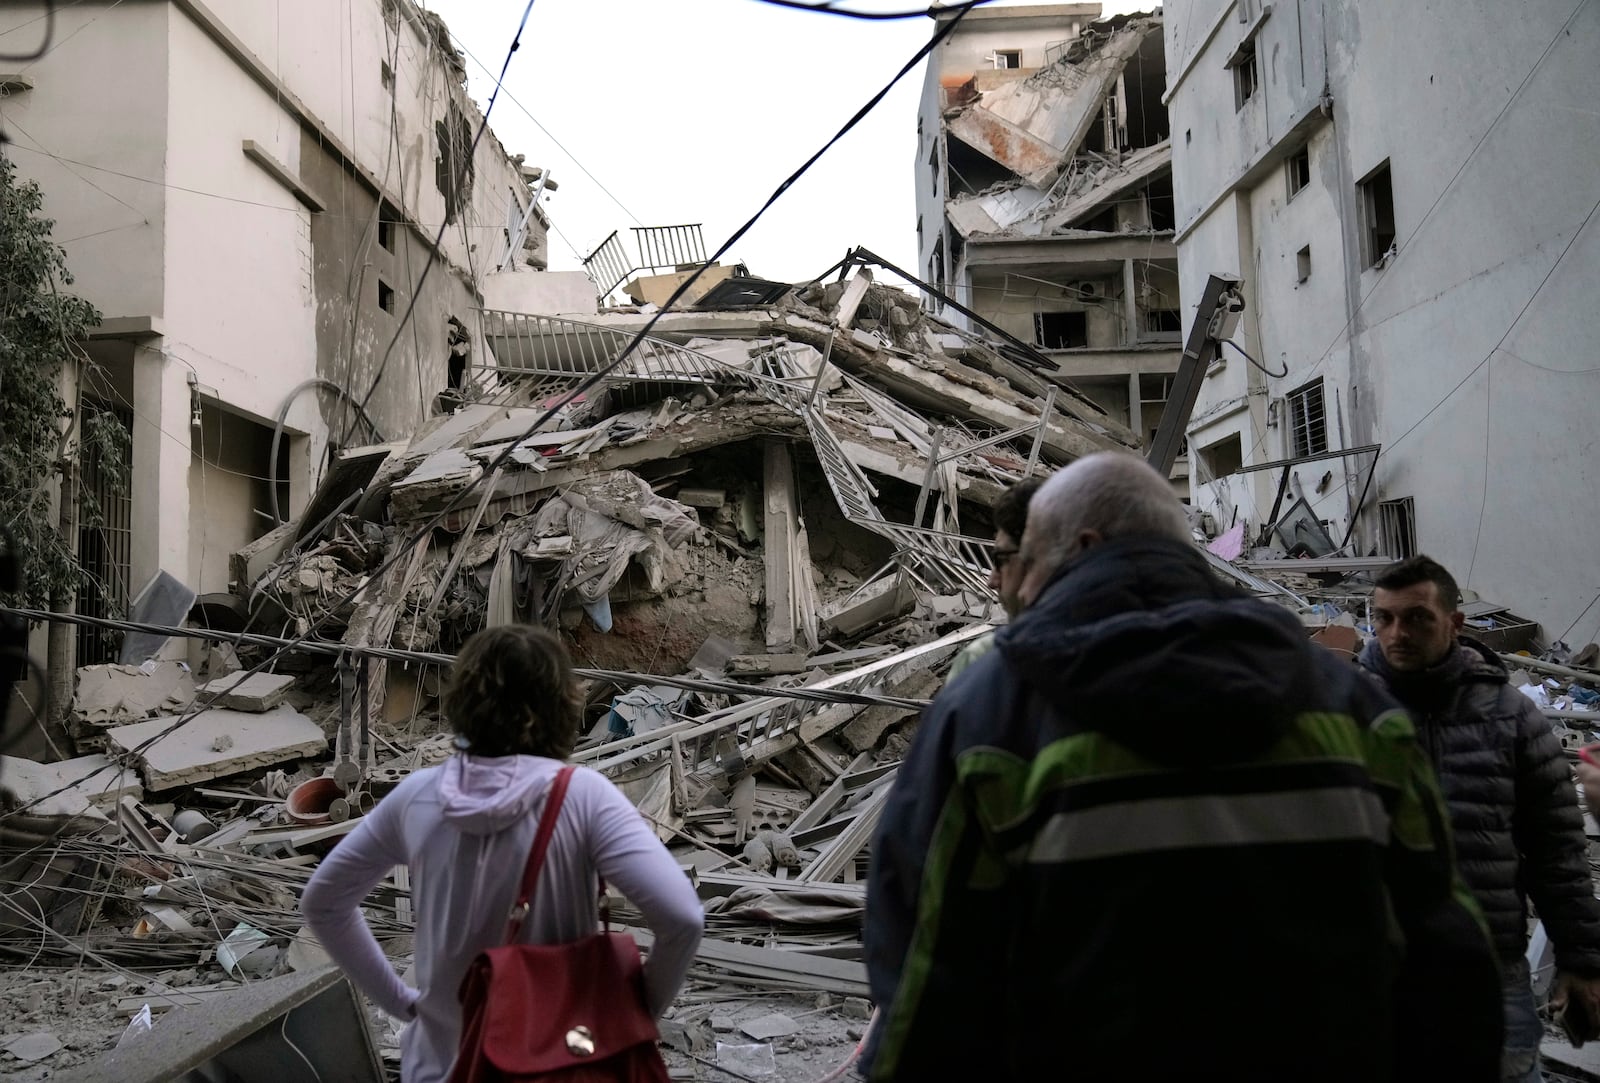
[(1156, 834), (464, 830)]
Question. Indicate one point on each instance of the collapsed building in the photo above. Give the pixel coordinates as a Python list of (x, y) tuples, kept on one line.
[(1044, 196), (762, 527)]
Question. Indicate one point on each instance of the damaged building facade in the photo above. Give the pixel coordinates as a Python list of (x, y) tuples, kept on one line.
[(1044, 195), (250, 194), (1418, 284)]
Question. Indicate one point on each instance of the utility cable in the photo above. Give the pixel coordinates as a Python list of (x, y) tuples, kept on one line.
[(827, 7), (548, 135), (44, 46), (1258, 364), (322, 648), (403, 551)]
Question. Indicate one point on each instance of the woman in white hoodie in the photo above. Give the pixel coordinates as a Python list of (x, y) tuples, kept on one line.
[(464, 829)]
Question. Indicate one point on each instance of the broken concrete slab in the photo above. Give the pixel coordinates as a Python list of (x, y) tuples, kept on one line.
[(214, 744), (247, 1034), (863, 732), (93, 781), (1029, 125), (255, 692), (112, 693), (746, 665)]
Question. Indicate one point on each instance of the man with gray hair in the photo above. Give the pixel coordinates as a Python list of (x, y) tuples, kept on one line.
[(1157, 834)]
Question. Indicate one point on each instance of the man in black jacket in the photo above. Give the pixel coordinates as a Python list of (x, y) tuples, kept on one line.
[(1518, 830), (1157, 835)]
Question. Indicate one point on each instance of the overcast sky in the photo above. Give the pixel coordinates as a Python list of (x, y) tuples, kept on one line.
[(695, 110)]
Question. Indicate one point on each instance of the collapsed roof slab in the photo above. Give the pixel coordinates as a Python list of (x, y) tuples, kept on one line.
[(1136, 171), (1034, 126), (958, 390), (730, 422)]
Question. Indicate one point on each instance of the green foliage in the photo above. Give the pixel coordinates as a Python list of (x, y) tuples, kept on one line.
[(40, 329)]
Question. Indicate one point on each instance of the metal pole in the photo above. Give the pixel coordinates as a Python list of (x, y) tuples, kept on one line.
[(816, 385), (927, 475), (1038, 437)]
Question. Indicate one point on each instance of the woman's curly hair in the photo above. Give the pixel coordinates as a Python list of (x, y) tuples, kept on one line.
[(513, 693)]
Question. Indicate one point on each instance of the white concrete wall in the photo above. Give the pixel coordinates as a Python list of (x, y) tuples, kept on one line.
[(110, 71), (330, 55), (1471, 356), (240, 307), (544, 293)]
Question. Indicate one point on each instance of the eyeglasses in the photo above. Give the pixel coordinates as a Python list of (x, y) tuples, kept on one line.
[(1002, 557)]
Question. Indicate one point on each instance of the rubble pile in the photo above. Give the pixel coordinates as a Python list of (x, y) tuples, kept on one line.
[(765, 536)]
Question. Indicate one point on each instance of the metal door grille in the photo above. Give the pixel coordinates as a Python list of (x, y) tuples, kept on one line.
[(105, 550)]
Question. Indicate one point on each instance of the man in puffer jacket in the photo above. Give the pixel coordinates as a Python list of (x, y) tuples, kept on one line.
[(1518, 831), (1156, 834)]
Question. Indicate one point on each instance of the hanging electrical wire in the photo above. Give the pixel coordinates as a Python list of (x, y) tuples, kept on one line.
[(44, 46), (828, 8), (1258, 364)]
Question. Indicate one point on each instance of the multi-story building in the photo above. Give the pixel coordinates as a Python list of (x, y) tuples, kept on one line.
[(1408, 197), (1044, 195), (250, 195)]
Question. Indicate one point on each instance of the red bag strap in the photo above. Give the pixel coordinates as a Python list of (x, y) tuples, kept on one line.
[(541, 843)]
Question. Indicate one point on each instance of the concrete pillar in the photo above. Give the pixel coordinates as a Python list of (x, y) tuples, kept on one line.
[(160, 481), (1130, 306)]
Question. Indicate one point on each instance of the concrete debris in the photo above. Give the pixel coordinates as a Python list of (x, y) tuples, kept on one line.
[(214, 744), (111, 694), (69, 787), (256, 692), (767, 533)]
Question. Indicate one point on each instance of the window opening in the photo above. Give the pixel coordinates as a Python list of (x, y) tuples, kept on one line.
[(1308, 423), (1377, 215), (1398, 523), (1298, 170), (1061, 330), (385, 297), (1302, 264), (1245, 74)]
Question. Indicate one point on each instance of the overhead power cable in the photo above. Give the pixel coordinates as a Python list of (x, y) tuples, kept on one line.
[(829, 8), (621, 678), (402, 551), (44, 46)]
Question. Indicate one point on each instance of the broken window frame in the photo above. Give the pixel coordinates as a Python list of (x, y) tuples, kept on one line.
[(1002, 59), (1307, 422), (1297, 171), (1378, 229), (1246, 75), (1397, 527)]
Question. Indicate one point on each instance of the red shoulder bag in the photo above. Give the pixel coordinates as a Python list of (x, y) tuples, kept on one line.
[(573, 1013)]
